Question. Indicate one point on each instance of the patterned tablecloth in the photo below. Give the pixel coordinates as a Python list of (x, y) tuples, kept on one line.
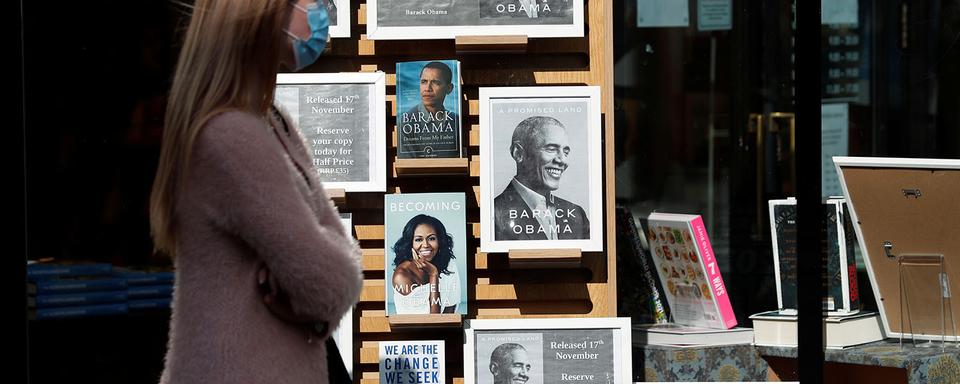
[(723, 363), (931, 364)]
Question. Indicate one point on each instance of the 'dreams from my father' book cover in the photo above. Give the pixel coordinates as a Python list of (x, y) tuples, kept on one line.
[(428, 109)]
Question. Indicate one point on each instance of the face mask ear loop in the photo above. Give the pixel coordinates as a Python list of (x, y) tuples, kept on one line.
[(307, 50), (292, 36), (297, 6)]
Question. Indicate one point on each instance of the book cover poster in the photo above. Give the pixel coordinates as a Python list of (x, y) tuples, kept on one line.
[(408, 13), (638, 288), (785, 238), (412, 362), (850, 249), (425, 253), (834, 279), (334, 120), (840, 243), (540, 161), (545, 356), (694, 286), (428, 109)]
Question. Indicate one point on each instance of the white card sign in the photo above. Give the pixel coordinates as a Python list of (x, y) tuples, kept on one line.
[(663, 13), (834, 140)]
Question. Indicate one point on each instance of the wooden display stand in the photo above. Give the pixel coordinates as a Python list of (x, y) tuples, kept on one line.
[(544, 258), (431, 166), (585, 286), (339, 196), (442, 320), (492, 44)]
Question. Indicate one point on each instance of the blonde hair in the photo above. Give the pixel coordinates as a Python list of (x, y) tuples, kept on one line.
[(229, 61)]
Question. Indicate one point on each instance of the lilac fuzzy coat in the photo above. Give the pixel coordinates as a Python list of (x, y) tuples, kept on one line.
[(247, 202)]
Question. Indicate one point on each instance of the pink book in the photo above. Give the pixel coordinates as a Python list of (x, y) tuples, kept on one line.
[(688, 271)]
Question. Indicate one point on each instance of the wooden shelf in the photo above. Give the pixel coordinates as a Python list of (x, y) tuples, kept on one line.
[(339, 196), (494, 291), (431, 166), (442, 320), (544, 258), (492, 44)]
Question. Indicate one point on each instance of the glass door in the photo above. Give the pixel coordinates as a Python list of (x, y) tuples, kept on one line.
[(705, 125)]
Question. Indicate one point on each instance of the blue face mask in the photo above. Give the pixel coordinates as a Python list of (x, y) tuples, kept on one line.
[(306, 52)]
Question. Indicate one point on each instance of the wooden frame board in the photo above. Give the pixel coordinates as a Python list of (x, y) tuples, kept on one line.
[(495, 289), (912, 204)]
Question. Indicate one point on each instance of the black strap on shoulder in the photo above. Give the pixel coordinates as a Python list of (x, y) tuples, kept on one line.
[(303, 172), (279, 117), (336, 369)]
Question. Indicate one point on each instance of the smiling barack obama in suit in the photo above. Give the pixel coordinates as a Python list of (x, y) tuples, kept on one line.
[(527, 209)]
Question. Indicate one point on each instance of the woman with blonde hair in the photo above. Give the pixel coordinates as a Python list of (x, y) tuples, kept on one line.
[(264, 269)]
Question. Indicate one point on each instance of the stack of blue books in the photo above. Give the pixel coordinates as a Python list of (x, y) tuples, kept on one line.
[(95, 289)]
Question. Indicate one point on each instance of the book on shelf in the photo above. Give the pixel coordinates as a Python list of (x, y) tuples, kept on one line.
[(428, 109), (676, 335), (54, 286), (413, 361), (78, 311), (51, 278), (40, 271), (851, 330), (689, 271), (638, 285), (45, 300), (783, 236), (838, 254), (425, 259), (149, 291), (776, 329), (157, 303), (136, 277), (75, 299)]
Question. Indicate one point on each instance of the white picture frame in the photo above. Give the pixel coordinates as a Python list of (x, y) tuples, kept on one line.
[(342, 27), (582, 339), (378, 31), (375, 152), (580, 185)]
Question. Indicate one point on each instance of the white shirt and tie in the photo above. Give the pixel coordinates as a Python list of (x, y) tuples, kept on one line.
[(544, 204)]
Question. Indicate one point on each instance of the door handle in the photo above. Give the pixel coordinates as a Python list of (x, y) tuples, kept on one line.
[(782, 127)]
